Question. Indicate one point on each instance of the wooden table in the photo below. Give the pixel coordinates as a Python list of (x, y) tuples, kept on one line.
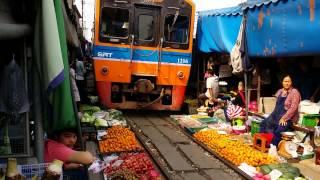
[(308, 168)]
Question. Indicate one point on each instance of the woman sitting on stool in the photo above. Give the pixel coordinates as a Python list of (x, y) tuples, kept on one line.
[(285, 112)]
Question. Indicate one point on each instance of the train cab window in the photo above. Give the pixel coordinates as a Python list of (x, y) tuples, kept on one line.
[(176, 31), (114, 25), (145, 27)]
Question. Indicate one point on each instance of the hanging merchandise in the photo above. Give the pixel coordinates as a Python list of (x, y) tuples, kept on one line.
[(239, 58), (236, 58), (13, 94)]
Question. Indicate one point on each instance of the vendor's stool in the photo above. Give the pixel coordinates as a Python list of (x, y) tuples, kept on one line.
[(261, 141)]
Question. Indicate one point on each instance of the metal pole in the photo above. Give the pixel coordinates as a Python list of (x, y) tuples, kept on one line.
[(26, 75), (37, 114), (246, 93)]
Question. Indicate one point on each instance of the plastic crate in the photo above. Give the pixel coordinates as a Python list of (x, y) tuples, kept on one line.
[(31, 170), (310, 120), (208, 120), (255, 127), (194, 130)]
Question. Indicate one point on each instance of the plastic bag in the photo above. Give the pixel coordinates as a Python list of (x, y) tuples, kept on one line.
[(273, 151), (97, 166), (110, 158), (13, 94), (117, 163)]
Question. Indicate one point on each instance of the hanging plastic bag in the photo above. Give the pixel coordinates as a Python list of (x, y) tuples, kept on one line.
[(13, 94)]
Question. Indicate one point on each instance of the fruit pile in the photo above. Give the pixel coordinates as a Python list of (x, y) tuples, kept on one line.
[(124, 174), (137, 163), (119, 139), (233, 150)]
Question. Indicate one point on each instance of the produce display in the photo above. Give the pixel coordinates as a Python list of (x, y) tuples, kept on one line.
[(191, 123), (93, 115), (133, 165), (119, 139), (54, 170), (288, 171), (124, 174), (233, 150), (89, 109)]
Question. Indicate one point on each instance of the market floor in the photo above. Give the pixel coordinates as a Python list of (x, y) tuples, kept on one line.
[(181, 158)]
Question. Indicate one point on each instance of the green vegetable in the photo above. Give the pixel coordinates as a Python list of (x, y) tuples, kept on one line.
[(294, 170), (265, 169), (101, 123), (287, 176), (89, 109), (285, 165), (273, 166)]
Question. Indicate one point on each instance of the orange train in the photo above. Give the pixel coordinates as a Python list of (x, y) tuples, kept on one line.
[(143, 52)]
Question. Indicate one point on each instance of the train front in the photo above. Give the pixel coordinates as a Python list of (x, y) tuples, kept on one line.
[(143, 53)]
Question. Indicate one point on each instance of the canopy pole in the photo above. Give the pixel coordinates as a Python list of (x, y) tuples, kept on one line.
[(246, 93), (246, 57)]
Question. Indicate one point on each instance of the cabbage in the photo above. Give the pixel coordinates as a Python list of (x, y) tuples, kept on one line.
[(101, 123)]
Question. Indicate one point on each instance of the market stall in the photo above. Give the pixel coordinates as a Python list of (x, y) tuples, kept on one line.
[(121, 154), (262, 37), (247, 151)]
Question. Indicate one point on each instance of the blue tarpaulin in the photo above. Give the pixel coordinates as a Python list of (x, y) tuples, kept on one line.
[(274, 28), (217, 30)]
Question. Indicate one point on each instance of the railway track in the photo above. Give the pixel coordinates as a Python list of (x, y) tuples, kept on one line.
[(177, 155)]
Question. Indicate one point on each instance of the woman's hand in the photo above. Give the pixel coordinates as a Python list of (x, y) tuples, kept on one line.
[(282, 122)]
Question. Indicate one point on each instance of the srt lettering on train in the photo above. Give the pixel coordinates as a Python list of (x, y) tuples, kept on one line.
[(104, 54)]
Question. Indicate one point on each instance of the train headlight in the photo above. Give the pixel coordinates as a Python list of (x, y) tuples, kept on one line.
[(180, 75), (104, 70)]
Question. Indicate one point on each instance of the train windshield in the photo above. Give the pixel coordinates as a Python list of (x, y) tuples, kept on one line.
[(176, 29), (146, 26), (114, 24)]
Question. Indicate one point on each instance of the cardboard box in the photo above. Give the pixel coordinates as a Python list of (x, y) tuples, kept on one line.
[(267, 104)]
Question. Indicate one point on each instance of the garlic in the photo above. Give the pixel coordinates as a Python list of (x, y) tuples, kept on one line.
[(55, 167)]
